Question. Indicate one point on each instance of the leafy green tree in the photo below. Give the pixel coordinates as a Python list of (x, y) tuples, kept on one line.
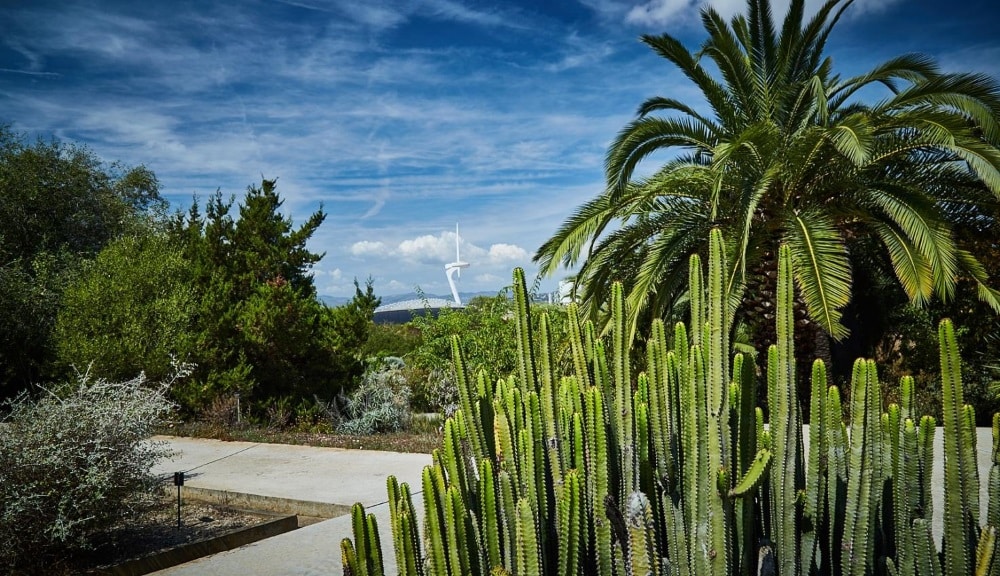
[(259, 328), (282, 339), (347, 330), (130, 311), (787, 151), (59, 206)]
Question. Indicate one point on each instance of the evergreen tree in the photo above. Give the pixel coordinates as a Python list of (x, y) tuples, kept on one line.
[(260, 330)]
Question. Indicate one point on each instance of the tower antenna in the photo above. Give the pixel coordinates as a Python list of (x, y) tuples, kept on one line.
[(455, 269)]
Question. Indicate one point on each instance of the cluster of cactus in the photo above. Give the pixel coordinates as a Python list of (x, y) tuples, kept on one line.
[(675, 473)]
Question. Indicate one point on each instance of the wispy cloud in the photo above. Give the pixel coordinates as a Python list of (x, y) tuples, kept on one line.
[(673, 14), (27, 72), (400, 118)]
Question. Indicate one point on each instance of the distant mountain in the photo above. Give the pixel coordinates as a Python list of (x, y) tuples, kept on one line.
[(393, 298)]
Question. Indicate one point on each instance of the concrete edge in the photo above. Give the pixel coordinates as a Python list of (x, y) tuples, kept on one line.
[(258, 503), (188, 552)]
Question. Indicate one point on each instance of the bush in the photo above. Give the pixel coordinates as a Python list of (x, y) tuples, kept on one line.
[(382, 401), (75, 461), (441, 391), (129, 311)]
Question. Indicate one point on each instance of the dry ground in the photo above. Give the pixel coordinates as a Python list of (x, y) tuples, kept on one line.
[(419, 441), (155, 531)]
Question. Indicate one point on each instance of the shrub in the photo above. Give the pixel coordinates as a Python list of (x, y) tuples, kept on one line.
[(486, 335), (76, 460), (129, 311), (223, 412), (382, 401), (442, 395)]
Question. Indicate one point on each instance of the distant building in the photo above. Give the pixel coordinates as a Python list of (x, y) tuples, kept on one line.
[(404, 311)]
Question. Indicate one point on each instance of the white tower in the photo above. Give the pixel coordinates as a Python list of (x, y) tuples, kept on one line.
[(455, 268)]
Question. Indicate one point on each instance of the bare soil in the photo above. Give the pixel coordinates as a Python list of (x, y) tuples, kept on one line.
[(154, 532)]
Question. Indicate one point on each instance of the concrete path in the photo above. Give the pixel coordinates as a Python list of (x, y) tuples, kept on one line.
[(329, 475)]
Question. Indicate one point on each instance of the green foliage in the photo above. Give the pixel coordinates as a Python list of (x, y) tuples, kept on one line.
[(486, 332), (673, 471), (347, 330), (59, 206), (281, 336), (484, 328), (129, 311), (74, 461), (381, 403), (392, 340), (260, 330)]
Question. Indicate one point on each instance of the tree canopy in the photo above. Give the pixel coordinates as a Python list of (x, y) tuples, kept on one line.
[(59, 206)]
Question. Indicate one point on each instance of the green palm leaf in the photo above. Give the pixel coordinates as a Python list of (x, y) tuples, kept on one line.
[(821, 268), (911, 267)]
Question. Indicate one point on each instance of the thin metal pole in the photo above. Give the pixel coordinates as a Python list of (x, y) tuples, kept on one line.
[(178, 507)]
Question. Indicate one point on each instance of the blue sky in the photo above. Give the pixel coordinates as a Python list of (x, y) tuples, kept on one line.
[(401, 117)]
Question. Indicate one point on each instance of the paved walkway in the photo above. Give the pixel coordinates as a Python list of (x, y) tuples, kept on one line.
[(329, 475)]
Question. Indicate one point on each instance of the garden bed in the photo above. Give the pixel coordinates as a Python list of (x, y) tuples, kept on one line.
[(423, 441), (157, 531)]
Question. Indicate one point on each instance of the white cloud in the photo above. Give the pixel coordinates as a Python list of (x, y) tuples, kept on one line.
[(507, 253), (660, 12), (450, 10), (862, 7), (372, 14), (430, 252), (672, 13), (427, 248), (368, 248)]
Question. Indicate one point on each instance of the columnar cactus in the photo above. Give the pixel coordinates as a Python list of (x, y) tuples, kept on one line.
[(676, 472)]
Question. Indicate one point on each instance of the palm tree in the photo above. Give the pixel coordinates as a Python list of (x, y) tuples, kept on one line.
[(789, 152)]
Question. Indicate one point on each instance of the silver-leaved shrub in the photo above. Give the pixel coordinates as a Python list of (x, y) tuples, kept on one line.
[(75, 460), (382, 402)]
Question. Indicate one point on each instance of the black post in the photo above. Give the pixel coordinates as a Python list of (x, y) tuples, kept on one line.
[(178, 481)]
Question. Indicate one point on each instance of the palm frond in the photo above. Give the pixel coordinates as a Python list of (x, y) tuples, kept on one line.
[(749, 201), (911, 267), (975, 268), (673, 50), (852, 136), (644, 136), (659, 103), (806, 55), (763, 41), (565, 246), (913, 68), (821, 268), (919, 221), (724, 49)]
